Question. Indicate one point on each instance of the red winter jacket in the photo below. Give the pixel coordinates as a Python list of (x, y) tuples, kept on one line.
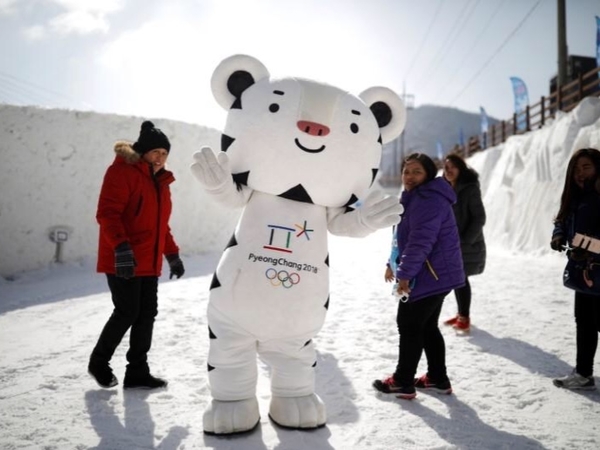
[(135, 206)]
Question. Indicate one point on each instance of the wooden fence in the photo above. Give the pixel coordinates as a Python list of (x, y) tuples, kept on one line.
[(565, 98), (534, 117)]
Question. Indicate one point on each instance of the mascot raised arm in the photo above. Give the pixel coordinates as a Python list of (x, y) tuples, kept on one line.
[(296, 154)]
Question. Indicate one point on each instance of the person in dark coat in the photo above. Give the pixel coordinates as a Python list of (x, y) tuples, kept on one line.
[(430, 266), (579, 212), (470, 219), (133, 213)]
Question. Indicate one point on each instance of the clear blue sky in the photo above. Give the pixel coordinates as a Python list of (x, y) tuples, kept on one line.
[(154, 58)]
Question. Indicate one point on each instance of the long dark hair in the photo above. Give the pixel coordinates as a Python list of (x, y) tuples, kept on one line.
[(431, 169), (571, 192), (466, 174)]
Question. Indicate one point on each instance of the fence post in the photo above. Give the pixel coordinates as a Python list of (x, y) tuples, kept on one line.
[(558, 98), (542, 111), (503, 131), (528, 128), (514, 124)]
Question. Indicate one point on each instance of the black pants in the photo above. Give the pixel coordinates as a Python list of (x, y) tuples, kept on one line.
[(463, 299), (418, 327), (587, 319), (136, 305)]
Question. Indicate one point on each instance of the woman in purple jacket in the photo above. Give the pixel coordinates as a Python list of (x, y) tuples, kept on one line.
[(430, 266)]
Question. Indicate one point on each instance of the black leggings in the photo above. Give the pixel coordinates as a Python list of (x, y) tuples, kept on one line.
[(418, 327), (135, 303), (463, 299), (587, 319)]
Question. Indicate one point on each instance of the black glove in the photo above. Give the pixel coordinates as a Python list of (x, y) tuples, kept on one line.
[(176, 265), (124, 261), (558, 243), (578, 254)]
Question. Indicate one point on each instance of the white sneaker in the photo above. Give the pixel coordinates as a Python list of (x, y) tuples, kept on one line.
[(575, 381)]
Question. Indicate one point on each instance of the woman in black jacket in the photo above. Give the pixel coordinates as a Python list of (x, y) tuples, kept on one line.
[(470, 218), (579, 212)]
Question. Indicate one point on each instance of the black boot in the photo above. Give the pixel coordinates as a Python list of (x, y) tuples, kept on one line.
[(143, 381), (103, 375)]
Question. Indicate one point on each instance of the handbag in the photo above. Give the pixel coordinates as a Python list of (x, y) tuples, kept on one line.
[(582, 272)]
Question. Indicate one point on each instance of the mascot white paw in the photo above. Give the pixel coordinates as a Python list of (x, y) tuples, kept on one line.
[(231, 417), (378, 211), (307, 412)]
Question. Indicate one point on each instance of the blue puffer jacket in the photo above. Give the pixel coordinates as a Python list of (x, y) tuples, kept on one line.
[(428, 240)]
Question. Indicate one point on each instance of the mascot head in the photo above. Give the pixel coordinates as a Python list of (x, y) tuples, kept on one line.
[(301, 139)]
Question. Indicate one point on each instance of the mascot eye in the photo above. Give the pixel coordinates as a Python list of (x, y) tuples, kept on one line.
[(354, 128), (273, 107)]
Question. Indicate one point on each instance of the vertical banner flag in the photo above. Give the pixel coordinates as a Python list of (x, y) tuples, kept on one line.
[(521, 101), (439, 150), (484, 127), (598, 43)]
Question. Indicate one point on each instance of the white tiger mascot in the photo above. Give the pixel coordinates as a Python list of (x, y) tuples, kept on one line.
[(296, 154)]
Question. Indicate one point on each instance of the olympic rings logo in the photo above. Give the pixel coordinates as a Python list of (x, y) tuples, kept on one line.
[(282, 278)]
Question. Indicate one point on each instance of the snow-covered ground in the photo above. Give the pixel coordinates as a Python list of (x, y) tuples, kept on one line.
[(523, 336)]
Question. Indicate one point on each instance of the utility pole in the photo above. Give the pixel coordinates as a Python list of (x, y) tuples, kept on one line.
[(563, 51), (409, 102)]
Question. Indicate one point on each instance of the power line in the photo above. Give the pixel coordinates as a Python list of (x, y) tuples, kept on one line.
[(21, 92), (457, 28), (34, 94), (510, 36), (427, 33), (476, 42)]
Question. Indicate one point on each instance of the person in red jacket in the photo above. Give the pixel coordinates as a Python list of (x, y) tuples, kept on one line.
[(133, 213)]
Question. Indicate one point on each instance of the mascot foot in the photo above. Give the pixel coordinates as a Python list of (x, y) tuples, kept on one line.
[(299, 413), (226, 418)]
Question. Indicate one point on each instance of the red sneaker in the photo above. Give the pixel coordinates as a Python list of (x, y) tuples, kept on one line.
[(441, 388), (462, 324), (451, 321), (389, 386)]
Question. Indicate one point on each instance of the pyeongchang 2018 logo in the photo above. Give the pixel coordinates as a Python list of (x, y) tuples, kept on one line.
[(285, 271)]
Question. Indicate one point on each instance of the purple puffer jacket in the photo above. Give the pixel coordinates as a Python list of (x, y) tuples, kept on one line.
[(428, 240)]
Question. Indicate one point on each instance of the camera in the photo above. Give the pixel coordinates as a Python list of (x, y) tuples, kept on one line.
[(402, 296)]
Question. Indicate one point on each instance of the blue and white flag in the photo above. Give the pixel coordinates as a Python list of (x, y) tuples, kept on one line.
[(521, 101), (439, 150), (484, 127), (484, 120), (598, 43)]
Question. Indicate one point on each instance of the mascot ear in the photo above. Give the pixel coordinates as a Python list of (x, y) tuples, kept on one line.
[(233, 76), (388, 109)]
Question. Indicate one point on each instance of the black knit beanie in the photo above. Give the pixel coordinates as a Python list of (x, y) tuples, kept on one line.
[(151, 138)]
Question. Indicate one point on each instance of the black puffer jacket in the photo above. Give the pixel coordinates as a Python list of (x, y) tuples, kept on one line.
[(470, 219)]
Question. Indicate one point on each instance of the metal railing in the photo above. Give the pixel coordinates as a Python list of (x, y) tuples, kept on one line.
[(535, 116), (564, 98)]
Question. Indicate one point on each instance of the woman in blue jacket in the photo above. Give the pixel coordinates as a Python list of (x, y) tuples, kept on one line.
[(430, 266)]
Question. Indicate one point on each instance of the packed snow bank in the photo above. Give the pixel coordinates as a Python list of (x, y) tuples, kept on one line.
[(523, 178), (54, 162)]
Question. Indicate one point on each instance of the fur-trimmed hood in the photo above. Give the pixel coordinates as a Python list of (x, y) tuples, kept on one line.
[(125, 150)]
